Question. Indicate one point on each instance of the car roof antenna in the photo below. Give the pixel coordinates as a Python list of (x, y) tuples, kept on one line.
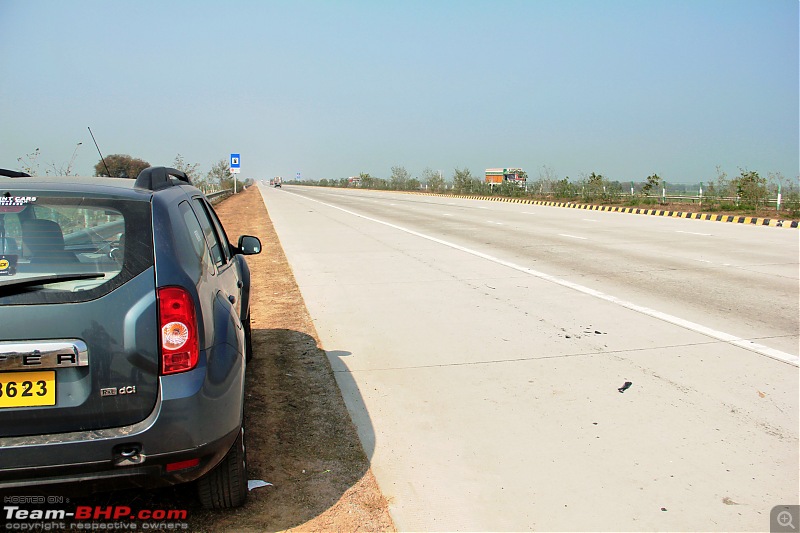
[(103, 159)]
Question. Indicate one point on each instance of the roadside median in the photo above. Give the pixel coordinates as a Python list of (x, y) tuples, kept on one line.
[(300, 436)]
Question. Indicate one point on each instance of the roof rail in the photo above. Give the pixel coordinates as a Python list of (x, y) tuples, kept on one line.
[(13, 174), (155, 178)]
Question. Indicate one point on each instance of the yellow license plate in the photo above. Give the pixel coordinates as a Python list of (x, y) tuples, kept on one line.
[(27, 389)]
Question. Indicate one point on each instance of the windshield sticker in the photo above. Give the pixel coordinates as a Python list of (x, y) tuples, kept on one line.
[(16, 200), (8, 265)]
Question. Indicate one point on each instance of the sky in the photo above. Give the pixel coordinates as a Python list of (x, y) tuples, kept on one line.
[(329, 89)]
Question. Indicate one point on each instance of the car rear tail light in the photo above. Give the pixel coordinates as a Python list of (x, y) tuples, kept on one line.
[(178, 321), (182, 465)]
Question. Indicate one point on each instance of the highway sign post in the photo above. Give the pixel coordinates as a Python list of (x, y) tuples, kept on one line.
[(236, 164)]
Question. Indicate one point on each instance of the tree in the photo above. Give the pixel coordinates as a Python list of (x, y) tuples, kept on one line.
[(400, 178), (594, 187), (367, 181), (189, 169), (790, 192), (723, 186), (546, 182), (434, 180), (751, 189), (65, 170), (564, 189), (614, 190), (776, 181), (462, 180), (220, 174), (29, 163), (652, 183), (120, 166)]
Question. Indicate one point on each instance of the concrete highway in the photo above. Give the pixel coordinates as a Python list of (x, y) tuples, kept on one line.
[(480, 347)]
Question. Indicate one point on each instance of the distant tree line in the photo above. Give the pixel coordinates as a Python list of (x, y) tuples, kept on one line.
[(126, 166), (749, 191)]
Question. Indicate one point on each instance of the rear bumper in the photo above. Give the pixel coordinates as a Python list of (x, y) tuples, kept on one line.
[(193, 418)]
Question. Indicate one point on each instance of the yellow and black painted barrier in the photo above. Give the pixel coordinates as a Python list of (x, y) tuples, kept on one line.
[(756, 221)]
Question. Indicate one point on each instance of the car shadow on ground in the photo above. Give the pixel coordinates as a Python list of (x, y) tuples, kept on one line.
[(300, 436), (300, 440)]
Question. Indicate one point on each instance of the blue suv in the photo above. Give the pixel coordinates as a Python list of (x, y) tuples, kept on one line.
[(124, 335)]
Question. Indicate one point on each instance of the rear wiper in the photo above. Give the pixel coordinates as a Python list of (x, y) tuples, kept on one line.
[(10, 286)]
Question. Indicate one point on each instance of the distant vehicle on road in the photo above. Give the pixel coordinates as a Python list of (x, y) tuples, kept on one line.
[(125, 315), (498, 176)]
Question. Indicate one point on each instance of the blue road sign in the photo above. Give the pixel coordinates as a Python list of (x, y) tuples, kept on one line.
[(235, 161)]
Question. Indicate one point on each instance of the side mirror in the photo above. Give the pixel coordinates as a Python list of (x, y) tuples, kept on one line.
[(249, 245)]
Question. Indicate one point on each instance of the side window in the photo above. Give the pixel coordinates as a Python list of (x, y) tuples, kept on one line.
[(223, 237), (197, 239), (214, 246)]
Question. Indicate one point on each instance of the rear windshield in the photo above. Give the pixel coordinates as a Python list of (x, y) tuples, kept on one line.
[(70, 248)]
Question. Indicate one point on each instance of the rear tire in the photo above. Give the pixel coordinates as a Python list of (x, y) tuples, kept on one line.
[(225, 487)]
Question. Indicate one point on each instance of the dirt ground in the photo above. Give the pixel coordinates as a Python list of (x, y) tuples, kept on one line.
[(299, 435)]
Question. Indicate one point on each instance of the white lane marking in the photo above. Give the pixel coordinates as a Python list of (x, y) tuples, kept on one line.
[(446, 215), (528, 213), (589, 220), (493, 222), (693, 233), (687, 324), (703, 260), (572, 236), (481, 207)]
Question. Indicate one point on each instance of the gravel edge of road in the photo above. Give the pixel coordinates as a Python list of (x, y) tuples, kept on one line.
[(301, 438)]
